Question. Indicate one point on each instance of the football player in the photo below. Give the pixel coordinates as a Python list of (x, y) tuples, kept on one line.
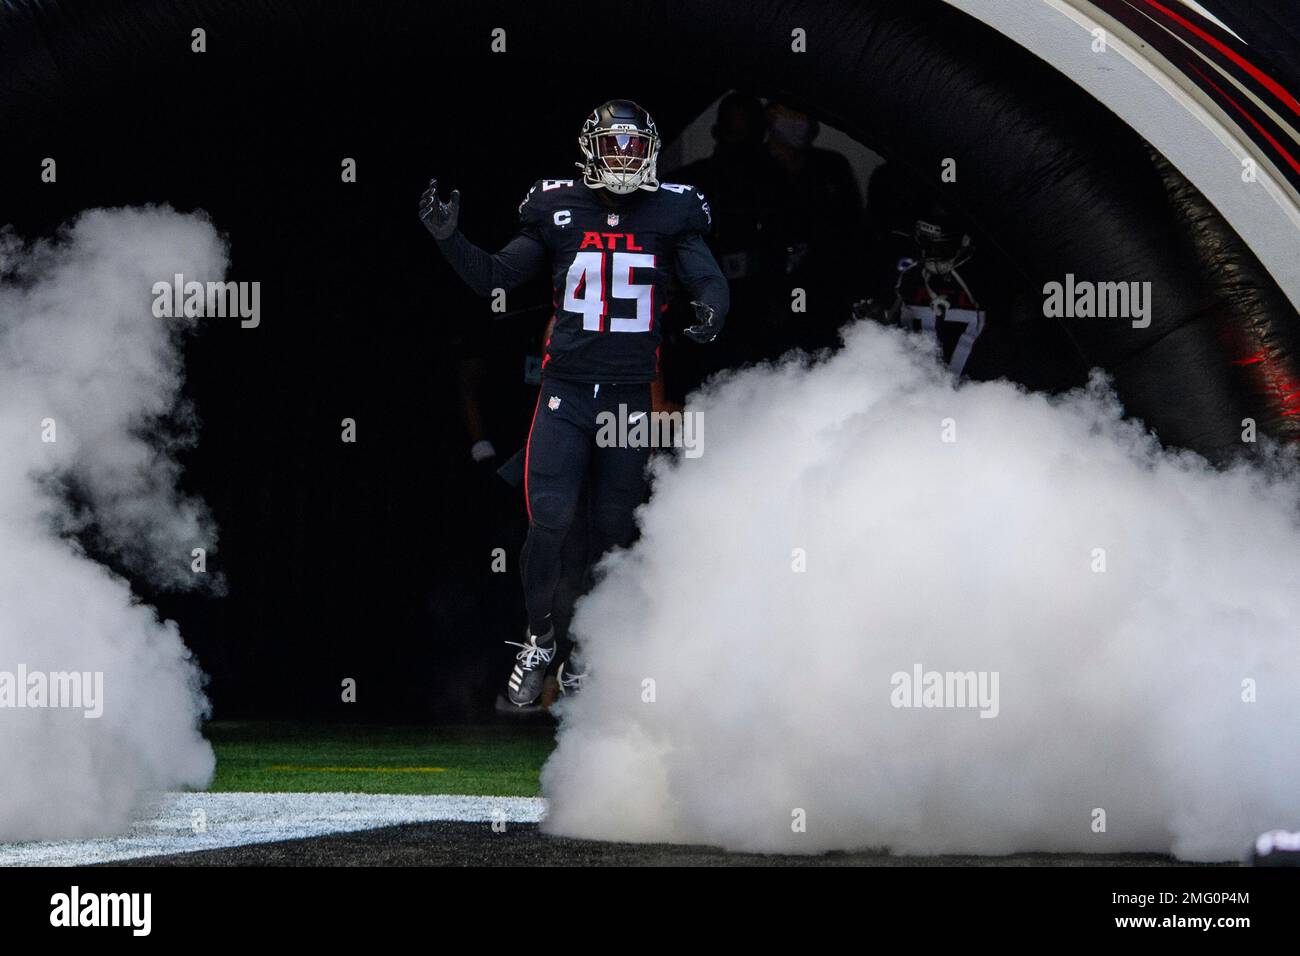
[(616, 243), (931, 294)]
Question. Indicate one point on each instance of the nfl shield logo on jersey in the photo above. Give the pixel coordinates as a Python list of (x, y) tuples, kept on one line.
[(554, 403), (612, 219)]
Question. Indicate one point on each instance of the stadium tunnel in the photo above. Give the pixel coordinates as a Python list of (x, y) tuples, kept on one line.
[(1048, 174)]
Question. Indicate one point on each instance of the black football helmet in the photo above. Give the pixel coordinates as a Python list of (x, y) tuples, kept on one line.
[(943, 244), (621, 145)]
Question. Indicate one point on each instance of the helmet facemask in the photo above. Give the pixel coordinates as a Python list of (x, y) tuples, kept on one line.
[(942, 247), (620, 158)]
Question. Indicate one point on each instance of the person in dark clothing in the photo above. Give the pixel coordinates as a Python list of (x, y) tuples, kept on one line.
[(617, 244), (747, 191), (823, 223)]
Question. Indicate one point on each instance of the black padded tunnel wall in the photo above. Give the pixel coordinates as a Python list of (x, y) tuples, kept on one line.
[(1055, 181)]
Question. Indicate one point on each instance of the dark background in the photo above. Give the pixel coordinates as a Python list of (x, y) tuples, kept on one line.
[(368, 560)]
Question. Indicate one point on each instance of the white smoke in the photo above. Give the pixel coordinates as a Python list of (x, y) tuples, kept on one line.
[(84, 362), (1125, 691)]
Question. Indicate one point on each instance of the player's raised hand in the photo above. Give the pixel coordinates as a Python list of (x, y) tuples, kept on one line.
[(439, 217), (707, 324)]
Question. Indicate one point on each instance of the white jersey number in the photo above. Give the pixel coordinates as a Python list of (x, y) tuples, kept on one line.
[(926, 316), (584, 290)]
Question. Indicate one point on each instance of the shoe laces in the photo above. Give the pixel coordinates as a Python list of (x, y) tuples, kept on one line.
[(532, 655), (574, 671)]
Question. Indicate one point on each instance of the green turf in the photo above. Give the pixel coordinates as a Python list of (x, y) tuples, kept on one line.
[(491, 761)]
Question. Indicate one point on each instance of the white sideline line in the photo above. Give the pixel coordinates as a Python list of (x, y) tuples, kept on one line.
[(237, 819)]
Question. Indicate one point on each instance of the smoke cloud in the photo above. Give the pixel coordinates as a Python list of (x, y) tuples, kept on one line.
[(1148, 693), (87, 373)]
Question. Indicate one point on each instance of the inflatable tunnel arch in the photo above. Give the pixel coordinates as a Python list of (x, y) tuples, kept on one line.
[(1055, 179)]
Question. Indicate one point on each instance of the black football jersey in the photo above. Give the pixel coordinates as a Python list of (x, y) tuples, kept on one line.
[(613, 268), (943, 307)]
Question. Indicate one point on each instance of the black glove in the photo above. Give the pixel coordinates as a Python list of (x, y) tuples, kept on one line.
[(707, 324), (439, 217)]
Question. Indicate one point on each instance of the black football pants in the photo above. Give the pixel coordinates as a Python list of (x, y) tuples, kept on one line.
[(562, 452)]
